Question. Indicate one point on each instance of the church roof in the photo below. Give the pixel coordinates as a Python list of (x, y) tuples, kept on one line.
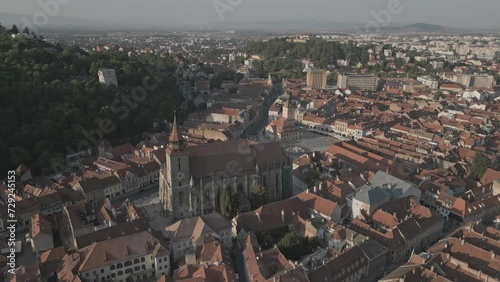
[(232, 156)]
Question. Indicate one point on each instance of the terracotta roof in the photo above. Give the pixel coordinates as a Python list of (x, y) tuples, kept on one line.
[(196, 227), (26, 273), (120, 249), (40, 225), (115, 231), (342, 267), (489, 176)]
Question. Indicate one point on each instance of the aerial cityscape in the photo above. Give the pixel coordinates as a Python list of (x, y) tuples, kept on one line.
[(249, 141)]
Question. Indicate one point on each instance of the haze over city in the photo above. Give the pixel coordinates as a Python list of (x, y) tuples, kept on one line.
[(175, 13), (249, 140)]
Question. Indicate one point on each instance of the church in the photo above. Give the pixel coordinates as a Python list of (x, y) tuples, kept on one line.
[(194, 176)]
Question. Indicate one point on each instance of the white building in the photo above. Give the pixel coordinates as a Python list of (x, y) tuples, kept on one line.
[(428, 81), (135, 257), (437, 65), (480, 95), (249, 63), (107, 77)]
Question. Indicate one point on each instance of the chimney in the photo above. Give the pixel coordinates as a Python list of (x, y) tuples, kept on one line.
[(463, 241), (492, 255), (315, 189), (258, 217), (307, 191), (23, 270), (432, 268), (283, 216)]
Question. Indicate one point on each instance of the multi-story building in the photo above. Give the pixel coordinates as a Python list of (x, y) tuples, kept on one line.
[(403, 226), (316, 78), (468, 254), (471, 80), (187, 234), (41, 234), (358, 82), (107, 77), (482, 81), (211, 260), (428, 81), (381, 189), (97, 190), (437, 65), (138, 256), (195, 175), (283, 129)]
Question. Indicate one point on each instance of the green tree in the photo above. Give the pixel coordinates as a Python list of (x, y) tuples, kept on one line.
[(226, 202), (479, 166), (14, 30), (293, 246), (258, 196), (312, 178), (19, 155)]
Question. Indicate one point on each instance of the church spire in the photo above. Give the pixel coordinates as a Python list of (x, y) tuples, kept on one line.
[(176, 142)]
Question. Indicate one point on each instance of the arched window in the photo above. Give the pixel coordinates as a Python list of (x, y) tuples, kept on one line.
[(120, 273), (120, 265), (143, 259), (136, 261), (137, 268), (128, 263), (112, 267)]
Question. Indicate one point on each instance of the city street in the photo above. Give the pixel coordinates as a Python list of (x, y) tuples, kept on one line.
[(151, 189)]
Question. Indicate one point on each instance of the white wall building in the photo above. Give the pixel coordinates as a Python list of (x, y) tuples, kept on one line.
[(107, 77), (428, 81)]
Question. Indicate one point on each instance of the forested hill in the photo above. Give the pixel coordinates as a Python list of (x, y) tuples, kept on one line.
[(280, 54), (50, 95)]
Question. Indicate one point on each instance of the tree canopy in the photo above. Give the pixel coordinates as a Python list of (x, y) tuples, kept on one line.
[(227, 201), (51, 96), (312, 177), (479, 166), (258, 196), (280, 54), (294, 247)]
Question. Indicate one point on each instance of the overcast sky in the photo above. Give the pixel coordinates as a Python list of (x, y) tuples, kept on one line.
[(453, 13)]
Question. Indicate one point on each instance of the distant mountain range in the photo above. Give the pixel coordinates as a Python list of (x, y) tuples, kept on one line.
[(291, 25), (317, 26)]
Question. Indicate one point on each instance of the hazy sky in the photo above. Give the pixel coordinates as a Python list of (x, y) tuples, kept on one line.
[(453, 13)]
